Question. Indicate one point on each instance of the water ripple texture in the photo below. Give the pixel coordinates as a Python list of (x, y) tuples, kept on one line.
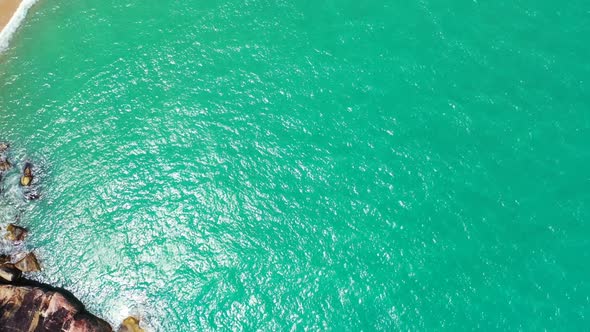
[(272, 165)]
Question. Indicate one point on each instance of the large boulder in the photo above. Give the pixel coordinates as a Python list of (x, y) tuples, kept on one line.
[(30, 308)]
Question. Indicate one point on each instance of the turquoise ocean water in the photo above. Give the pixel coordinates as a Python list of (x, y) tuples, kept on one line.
[(299, 165)]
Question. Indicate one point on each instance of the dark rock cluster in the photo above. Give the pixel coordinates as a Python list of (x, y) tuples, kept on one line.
[(11, 268), (29, 306)]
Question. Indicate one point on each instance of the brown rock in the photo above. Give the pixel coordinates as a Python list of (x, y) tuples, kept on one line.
[(27, 177), (25, 181), (130, 324), (9, 272), (28, 263), (28, 308), (28, 170), (4, 146), (16, 233), (4, 165)]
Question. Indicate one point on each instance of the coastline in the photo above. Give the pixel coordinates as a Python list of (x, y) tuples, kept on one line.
[(27, 305), (12, 13), (7, 10)]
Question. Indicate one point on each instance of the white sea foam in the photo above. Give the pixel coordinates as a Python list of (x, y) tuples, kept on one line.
[(15, 21)]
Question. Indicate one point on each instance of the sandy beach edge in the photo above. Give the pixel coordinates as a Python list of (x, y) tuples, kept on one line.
[(12, 14), (7, 10)]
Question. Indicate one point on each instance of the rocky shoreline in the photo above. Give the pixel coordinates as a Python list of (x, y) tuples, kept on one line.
[(27, 305)]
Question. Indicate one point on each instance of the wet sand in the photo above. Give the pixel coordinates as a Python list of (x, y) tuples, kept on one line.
[(7, 9)]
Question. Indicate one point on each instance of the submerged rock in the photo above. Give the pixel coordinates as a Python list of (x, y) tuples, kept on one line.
[(9, 272), (27, 177), (28, 263), (28, 308), (31, 196), (16, 233), (130, 324), (4, 146)]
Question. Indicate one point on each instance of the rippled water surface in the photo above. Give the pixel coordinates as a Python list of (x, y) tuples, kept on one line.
[(277, 165)]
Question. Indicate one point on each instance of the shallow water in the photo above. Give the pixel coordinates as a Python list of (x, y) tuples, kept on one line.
[(287, 165)]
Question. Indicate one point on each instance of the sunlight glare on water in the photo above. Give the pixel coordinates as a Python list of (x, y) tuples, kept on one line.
[(256, 165)]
